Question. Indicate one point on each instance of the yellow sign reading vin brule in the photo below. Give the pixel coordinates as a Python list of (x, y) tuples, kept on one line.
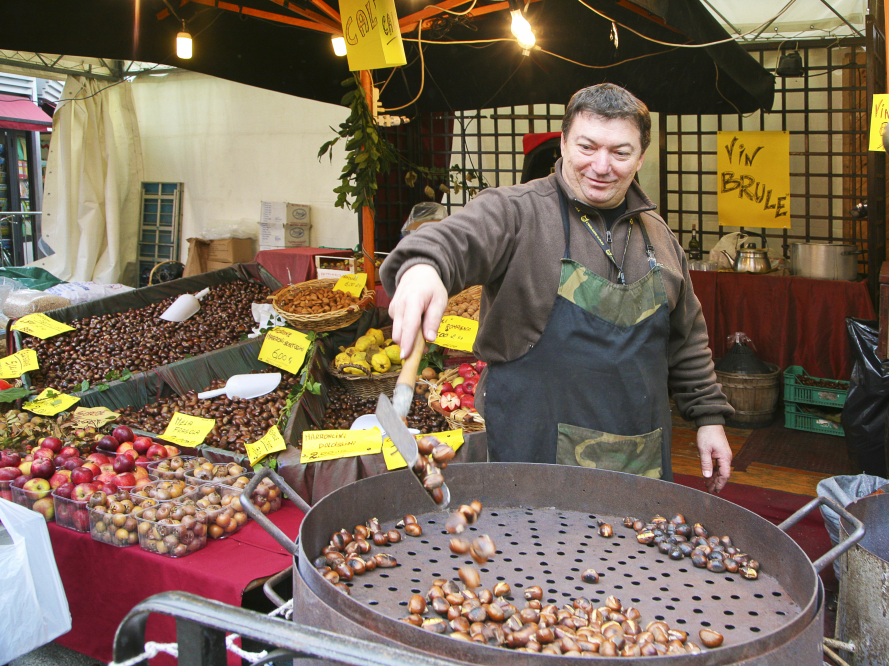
[(187, 430), (321, 445), (457, 333), (285, 348), (753, 179)]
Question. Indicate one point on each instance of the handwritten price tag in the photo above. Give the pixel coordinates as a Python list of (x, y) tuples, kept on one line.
[(453, 438), (321, 445), (284, 348), (84, 417), (45, 405), (270, 443), (187, 430), (352, 284), (40, 326), (457, 333), (17, 364)]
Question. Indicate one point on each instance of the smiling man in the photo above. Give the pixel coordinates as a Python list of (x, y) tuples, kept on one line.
[(588, 318)]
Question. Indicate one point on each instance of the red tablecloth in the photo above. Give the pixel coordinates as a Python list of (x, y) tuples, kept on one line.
[(292, 265), (103, 583), (791, 320)]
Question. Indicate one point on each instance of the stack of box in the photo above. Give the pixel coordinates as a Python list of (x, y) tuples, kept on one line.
[(228, 251), (812, 406), (283, 224)]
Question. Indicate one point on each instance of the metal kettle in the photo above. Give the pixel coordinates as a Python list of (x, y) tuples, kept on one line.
[(749, 259)]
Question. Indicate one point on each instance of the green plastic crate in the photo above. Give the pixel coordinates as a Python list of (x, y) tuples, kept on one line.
[(811, 395), (797, 419)]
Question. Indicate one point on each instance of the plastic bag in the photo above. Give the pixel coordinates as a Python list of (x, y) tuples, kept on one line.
[(864, 413), (33, 606), (28, 301), (243, 228), (427, 211), (83, 292)]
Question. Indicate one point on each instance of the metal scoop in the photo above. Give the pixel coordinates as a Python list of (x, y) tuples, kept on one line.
[(246, 386)]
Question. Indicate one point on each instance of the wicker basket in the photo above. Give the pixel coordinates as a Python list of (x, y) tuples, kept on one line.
[(472, 293), (327, 321), (469, 421), (368, 386)]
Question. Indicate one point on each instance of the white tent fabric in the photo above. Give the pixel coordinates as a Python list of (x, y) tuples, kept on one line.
[(803, 19), (92, 187)]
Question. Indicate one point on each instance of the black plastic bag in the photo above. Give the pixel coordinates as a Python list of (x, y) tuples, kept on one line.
[(864, 414)]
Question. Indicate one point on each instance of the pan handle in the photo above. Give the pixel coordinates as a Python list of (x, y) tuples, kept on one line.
[(840, 548), (277, 534)]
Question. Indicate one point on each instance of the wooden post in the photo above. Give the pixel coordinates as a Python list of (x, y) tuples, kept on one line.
[(367, 216)]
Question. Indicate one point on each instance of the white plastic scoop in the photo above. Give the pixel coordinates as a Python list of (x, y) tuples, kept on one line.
[(185, 306), (246, 386)]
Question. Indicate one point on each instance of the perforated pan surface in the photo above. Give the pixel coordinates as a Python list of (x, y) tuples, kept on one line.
[(550, 543)]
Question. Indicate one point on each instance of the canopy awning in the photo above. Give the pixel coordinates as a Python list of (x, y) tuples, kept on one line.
[(22, 114)]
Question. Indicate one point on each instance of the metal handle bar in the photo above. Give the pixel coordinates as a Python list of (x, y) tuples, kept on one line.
[(841, 547), (277, 534), (268, 587), (201, 625)]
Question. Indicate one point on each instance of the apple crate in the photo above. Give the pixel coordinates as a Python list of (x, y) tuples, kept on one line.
[(71, 514), (115, 529), (36, 500), (176, 540), (333, 268), (169, 473)]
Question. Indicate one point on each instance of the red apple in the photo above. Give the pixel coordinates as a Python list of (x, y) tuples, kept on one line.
[(156, 452), (459, 390), (82, 491), (43, 452), (480, 366), (467, 401), (130, 453), (81, 520), (107, 468), (447, 387), (9, 473), (106, 477), (449, 401), (65, 490), (42, 468), (61, 476), (20, 481), (10, 458), (93, 467), (466, 371), (469, 386), (82, 475), (25, 467), (72, 462), (108, 487), (171, 450), (46, 507), (108, 443), (54, 444), (7, 495), (98, 458), (123, 463), (125, 480), (142, 481), (124, 447), (140, 472), (123, 434), (142, 461), (141, 444), (69, 451), (37, 488)]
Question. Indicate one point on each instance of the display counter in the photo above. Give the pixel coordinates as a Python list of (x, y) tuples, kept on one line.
[(791, 320)]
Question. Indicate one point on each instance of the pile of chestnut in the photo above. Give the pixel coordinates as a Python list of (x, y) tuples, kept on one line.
[(139, 340), (343, 408)]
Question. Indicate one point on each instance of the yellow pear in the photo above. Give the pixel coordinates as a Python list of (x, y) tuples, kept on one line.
[(380, 362), (362, 343), (376, 334), (394, 353)]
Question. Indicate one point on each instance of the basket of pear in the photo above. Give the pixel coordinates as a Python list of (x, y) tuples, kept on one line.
[(370, 365)]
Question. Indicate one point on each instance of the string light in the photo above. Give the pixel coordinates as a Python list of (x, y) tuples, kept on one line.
[(339, 45), (183, 44), (521, 28)]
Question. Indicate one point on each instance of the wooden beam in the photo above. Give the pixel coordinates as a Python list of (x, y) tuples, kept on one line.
[(433, 10), (476, 12), (269, 16), (309, 14), (327, 9), (367, 216)]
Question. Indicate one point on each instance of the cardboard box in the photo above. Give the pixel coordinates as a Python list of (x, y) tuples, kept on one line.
[(277, 235), (216, 265), (231, 250), (333, 273), (284, 212)]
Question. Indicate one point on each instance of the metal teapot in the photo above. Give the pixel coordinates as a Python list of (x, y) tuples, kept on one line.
[(749, 259)]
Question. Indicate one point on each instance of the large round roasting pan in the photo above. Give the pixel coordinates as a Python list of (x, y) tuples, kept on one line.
[(543, 519)]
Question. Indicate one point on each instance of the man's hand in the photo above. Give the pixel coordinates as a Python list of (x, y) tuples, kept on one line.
[(420, 296), (715, 450)]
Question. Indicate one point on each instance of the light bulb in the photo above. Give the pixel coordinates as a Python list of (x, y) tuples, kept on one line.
[(339, 45), (183, 44), (522, 30)]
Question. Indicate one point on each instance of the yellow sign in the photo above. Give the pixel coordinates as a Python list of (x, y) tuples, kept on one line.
[(51, 402), (753, 179), (40, 326), (285, 348), (372, 34), (457, 333), (453, 438), (351, 283), (96, 417), (879, 119), (18, 364), (321, 445), (270, 443), (187, 430)]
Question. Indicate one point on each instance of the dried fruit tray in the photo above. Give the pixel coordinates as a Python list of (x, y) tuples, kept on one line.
[(812, 395), (796, 419)]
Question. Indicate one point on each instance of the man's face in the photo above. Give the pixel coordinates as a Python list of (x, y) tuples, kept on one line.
[(600, 156)]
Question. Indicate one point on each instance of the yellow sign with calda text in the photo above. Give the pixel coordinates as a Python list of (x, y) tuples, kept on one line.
[(457, 333), (753, 179), (879, 120), (285, 348), (372, 34)]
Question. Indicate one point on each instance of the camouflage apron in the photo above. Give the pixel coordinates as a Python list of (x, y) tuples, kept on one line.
[(593, 390)]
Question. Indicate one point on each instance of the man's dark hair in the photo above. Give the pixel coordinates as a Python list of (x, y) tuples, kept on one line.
[(609, 101)]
